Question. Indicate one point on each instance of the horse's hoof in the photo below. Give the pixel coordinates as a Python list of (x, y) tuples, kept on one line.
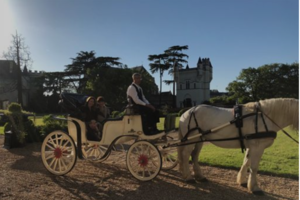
[(258, 193), (190, 181), (202, 180), (244, 185)]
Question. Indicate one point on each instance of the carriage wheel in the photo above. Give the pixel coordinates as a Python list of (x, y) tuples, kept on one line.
[(94, 152), (58, 153), (169, 157), (119, 147), (143, 160)]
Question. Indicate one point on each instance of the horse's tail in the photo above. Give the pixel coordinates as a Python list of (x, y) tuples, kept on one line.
[(180, 150)]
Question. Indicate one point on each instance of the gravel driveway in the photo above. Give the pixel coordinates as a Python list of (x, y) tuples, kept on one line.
[(23, 176)]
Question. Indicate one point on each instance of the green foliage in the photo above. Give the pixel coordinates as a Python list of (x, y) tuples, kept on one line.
[(165, 110), (6, 127), (112, 84), (116, 114), (83, 70), (29, 132), (51, 124), (281, 158), (268, 81), (32, 132), (14, 107), (16, 124)]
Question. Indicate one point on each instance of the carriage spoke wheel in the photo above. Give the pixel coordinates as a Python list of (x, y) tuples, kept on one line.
[(58, 153), (169, 157), (94, 152), (143, 160)]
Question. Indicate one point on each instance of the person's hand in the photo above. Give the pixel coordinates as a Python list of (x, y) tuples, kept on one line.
[(150, 106)]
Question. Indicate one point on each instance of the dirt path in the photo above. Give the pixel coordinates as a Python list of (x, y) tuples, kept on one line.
[(23, 176)]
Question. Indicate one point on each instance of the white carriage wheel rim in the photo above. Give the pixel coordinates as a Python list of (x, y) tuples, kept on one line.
[(93, 152), (58, 156), (169, 160), (143, 160)]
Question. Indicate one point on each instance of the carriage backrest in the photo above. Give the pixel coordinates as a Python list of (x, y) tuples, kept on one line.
[(72, 103)]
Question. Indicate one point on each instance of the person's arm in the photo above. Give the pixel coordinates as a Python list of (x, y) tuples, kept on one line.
[(133, 94), (145, 100)]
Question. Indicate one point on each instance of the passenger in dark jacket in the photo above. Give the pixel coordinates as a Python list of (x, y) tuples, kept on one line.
[(89, 116)]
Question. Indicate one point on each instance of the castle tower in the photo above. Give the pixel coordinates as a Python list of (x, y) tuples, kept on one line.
[(193, 85)]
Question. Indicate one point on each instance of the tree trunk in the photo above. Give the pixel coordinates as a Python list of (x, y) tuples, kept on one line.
[(160, 87), (174, 81), (20, 93)]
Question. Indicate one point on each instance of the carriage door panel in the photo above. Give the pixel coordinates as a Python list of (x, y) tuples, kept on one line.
[(133, 125)]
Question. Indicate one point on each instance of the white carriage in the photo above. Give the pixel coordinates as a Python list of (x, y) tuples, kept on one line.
[(144, 158)]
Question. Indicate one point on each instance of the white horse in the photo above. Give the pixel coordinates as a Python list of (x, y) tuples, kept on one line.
[(215, 123)]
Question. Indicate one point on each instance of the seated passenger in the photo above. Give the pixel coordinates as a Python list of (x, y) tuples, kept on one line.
[(103, 110), (89, 116)]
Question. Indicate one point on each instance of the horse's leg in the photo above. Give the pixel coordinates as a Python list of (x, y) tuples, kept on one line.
[(242, 175), (255, 155), (184, 153), (256, 151), (196, 166)]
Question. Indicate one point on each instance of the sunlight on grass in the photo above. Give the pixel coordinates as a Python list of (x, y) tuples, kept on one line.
[(281, 158)]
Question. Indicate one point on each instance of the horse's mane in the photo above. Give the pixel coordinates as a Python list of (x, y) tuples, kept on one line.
[(279, 109)]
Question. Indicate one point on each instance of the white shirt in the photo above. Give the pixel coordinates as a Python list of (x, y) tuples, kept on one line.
[(131, 91)]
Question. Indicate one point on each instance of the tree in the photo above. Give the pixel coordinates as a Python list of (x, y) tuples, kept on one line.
[(18, 52), (161, 64), (268, 81), (175, 59), (81, 71), (79, 68)]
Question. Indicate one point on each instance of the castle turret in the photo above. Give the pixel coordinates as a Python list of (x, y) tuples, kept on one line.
[(193, 85), (199, 64)]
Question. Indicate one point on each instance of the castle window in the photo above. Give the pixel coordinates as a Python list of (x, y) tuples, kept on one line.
[(187, 84), (194, 85), (181, 86)]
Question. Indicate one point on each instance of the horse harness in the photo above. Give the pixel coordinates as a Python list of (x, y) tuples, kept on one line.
[(238, 121)]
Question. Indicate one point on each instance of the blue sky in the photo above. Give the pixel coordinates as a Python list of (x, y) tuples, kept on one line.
[(234, 34)]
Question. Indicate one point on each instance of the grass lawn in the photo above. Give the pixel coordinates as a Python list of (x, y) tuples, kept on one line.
[(282, 158)]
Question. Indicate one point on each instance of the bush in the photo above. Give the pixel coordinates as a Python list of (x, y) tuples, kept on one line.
[(165, 110), (15, 116), (51, 124), (7, 127), (32, 132), (15, 107)]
